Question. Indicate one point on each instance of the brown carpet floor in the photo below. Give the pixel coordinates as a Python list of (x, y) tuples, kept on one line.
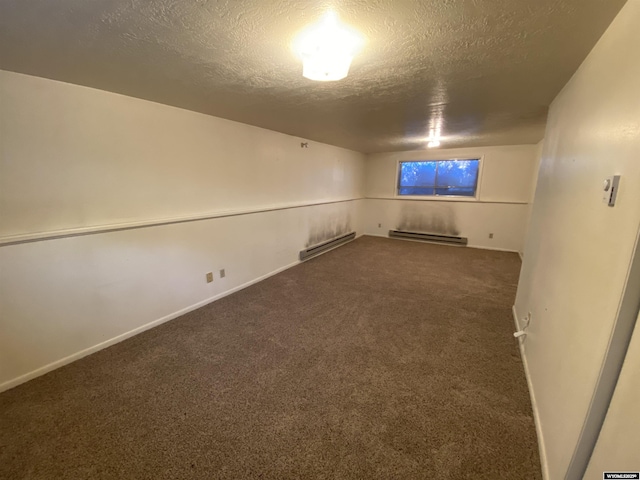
[(383, 359)]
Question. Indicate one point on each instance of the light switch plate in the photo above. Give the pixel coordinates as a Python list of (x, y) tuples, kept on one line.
[(610, 190)]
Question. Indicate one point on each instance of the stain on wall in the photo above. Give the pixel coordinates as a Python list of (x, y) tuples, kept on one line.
[(428, 217), (327, 228)]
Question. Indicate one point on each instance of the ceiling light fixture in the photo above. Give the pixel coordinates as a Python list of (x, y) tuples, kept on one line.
[(435, 130), (327, 49), (434, 137)]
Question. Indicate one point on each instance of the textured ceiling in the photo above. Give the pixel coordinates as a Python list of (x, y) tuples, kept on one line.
[(487, 68)]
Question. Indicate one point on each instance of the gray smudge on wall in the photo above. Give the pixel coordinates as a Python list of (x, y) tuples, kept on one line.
[(428, 217), (328, 228)]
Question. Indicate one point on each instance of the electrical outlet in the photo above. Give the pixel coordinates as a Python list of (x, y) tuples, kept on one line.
[(491, 235), (222, 273), (209, 277)]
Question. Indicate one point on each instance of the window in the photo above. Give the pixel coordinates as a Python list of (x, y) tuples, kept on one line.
[(439, 177)]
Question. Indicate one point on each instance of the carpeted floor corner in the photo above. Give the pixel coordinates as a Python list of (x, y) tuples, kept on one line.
[(382, 359)]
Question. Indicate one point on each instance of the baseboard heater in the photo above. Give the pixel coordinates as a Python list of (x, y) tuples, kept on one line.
[(428, 237), (324, 246)]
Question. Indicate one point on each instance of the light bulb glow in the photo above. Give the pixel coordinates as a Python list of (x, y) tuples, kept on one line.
[(327, 49), (435, 132)]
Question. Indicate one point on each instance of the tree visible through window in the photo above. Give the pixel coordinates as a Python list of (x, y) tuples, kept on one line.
[(439, 177)]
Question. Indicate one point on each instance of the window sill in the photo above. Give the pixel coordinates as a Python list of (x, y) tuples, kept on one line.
[(436, 198), (448, 199)]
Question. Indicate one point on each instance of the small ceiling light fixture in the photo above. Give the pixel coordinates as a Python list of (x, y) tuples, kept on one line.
[(327, 49), (435, 132), (434, 138)]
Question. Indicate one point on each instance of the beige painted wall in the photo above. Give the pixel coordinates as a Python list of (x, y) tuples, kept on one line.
[(505, 189), (577, 257), (532, 189), (617, 448), (75, 159)]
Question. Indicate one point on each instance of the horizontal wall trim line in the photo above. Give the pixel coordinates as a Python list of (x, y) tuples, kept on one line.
[(446, 200), (99, 229)]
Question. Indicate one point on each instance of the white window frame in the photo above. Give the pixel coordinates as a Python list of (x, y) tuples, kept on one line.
[(440, 198)]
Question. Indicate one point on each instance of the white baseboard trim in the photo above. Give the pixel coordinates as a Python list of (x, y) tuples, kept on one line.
[(377, 235), (534, 405), (88, 351), (493, 248)]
